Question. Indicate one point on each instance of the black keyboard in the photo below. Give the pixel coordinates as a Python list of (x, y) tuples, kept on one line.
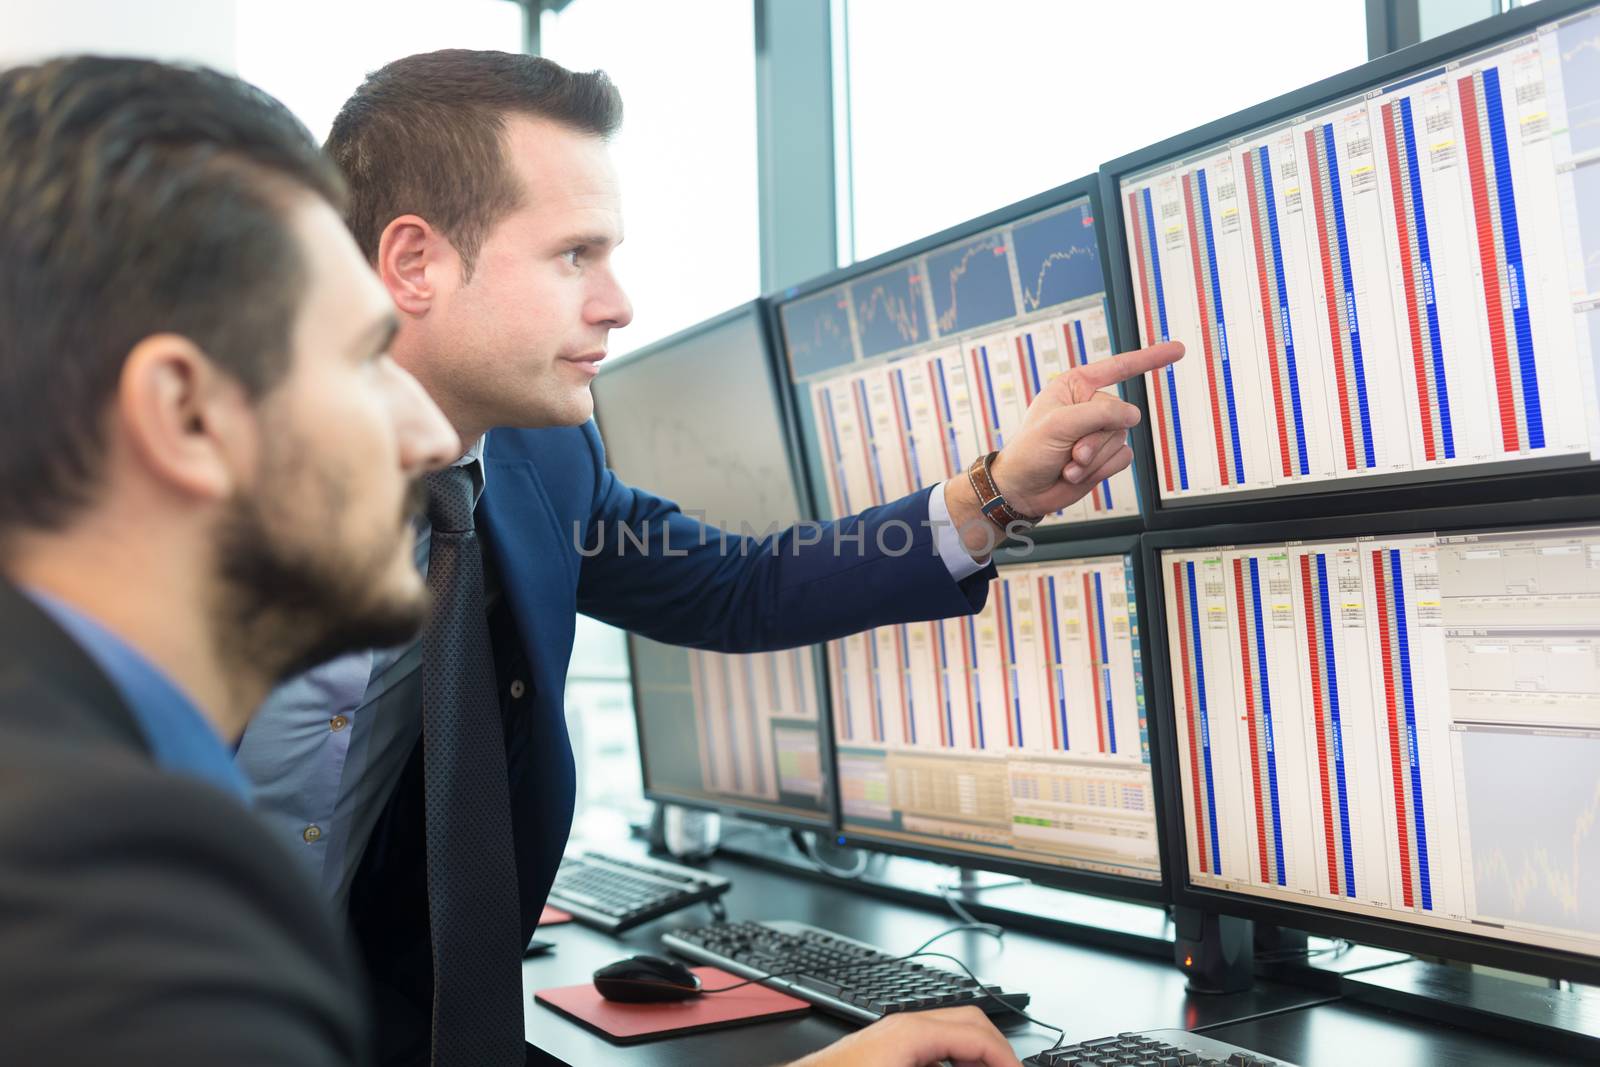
[(1156, 1048), (839, 975), (613, 893)]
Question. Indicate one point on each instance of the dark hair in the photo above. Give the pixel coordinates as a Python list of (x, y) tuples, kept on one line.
[(136, 198), (424, 134)]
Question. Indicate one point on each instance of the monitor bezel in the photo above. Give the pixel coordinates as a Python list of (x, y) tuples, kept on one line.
[(1388, 933), (1121, 887), (789, 818), (1341, 498), (1085, 187)]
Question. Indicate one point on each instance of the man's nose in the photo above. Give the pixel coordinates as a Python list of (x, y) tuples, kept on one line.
[(427, 440)]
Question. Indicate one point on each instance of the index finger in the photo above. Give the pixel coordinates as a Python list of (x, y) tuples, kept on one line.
[(1119, 368)]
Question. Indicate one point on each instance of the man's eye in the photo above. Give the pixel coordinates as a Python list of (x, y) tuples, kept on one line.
[(571, 255)]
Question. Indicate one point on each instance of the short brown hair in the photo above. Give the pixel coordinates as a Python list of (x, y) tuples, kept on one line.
[(139, 198), (424, 136)]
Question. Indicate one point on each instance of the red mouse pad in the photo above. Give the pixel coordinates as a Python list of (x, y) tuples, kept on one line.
[(553, 916), (625, 1024)]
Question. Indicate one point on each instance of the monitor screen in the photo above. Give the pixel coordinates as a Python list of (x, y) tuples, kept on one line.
[(697, 419), (1014, 737), (907, 373), (1398, 727), (1396, 287)]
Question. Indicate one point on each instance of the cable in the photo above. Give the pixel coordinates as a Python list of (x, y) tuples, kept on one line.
[(1339, 947), (994, 930), (1061, 1034), (948, 891), (987, 928), (1268, 1014)]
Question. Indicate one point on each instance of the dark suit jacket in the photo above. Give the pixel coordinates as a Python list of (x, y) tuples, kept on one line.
[(550, 516), (145, 918)]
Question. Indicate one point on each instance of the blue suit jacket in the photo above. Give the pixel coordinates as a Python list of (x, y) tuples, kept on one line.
[(551, 517)]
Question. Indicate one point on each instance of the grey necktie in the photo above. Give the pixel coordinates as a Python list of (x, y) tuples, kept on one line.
[(473, 907)]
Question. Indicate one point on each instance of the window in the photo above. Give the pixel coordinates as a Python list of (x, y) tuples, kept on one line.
[(1441, 16), (686, 154), (605, 742), (313, 55), (686, 158), (955, 109)]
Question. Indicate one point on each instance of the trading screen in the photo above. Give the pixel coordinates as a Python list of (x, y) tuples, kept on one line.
[(1017, 733), (1405, 727), (741, 731), (908, 374), (736, 731), (1401, 285)]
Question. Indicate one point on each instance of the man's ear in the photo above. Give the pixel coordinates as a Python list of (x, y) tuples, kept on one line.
[(412, 258), (190, 425)]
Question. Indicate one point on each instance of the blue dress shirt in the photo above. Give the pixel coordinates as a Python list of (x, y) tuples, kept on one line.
[(180, 738)]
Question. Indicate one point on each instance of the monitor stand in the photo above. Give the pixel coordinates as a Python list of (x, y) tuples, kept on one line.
[(1565, 1021), (682, 833), (969, 882), (1014, 903), (1216, 952)]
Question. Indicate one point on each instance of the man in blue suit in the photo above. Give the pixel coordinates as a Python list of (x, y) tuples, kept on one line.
[(483, 192)]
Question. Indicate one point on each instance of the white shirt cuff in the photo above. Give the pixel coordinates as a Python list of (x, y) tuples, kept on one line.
[(957, 560)]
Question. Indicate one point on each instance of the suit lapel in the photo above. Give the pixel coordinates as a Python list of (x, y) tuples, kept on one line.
[(538, 571)]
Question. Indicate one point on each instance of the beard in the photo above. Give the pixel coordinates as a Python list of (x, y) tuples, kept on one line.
[(283, 608)]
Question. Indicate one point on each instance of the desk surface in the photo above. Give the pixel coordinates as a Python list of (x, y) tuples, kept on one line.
[(1090, 992), (1347, 1032)]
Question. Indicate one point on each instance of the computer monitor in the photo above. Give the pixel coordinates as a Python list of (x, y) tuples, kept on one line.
[(1015, 739), (1387, 278), (909, 366), (1388, 728), (697, 419)]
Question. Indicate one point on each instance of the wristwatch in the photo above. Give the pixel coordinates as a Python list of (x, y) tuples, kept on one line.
[(990, 499)]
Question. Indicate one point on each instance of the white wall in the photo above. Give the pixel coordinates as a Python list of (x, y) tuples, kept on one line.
[(195, 31)]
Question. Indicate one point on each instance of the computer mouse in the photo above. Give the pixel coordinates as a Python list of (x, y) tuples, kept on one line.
[(646, 980)]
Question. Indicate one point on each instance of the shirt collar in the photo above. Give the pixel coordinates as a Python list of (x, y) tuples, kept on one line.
[(472, 459), (180, 738)]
